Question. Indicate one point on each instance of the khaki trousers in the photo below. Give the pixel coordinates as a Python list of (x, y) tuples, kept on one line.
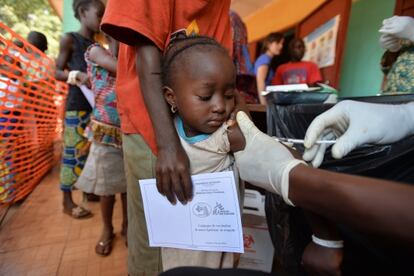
[(139, 163)]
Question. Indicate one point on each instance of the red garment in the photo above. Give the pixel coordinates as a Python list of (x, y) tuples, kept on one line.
[(156, 20), (296, 73)]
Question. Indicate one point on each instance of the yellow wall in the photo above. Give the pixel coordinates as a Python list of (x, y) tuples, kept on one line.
[(277, 16)]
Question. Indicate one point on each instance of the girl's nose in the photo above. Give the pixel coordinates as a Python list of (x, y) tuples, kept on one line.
[(218, 105)]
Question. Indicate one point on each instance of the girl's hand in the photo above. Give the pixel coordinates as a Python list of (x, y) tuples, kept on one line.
[(82, 79)]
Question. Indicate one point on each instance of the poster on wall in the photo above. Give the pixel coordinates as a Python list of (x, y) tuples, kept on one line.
[(321, 43)]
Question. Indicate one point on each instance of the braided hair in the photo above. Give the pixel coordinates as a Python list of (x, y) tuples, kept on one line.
[(82, 4), (174, 55)]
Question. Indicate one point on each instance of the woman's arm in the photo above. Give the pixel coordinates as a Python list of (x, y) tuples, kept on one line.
[(379, 207), (261, 81), (101, 57), (65, 51)]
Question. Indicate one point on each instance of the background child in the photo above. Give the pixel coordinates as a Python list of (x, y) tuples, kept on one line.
[(103, 173), (199, 84), (297, 71), (272, 46), (71, 57)]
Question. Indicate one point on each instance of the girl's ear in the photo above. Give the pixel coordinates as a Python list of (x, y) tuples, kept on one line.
[(169, 96)]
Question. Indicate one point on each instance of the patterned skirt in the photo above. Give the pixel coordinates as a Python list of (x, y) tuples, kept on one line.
[(74, 142)]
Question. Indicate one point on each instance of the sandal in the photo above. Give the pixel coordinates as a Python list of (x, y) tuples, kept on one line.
[(78, 212), (104, 248)]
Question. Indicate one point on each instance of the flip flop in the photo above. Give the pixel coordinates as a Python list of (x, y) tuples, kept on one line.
[(104, 248), (78, 213)]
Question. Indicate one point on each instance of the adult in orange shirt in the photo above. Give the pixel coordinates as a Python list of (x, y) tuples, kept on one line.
[(150, 143)]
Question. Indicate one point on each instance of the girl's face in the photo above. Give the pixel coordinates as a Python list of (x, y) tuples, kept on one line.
[(92, 16), (203, 91), (276, 47)]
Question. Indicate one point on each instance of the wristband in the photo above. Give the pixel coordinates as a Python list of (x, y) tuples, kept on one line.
[(328, 243), (72, 77)]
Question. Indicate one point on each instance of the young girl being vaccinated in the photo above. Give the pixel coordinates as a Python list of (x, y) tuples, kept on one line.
[(199, 81)]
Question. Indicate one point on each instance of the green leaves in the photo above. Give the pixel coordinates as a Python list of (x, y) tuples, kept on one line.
[(24, 16)]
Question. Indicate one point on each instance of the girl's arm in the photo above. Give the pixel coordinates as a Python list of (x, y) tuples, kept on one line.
[(101, 57), (65, 51), (260, 80), (236, 138)]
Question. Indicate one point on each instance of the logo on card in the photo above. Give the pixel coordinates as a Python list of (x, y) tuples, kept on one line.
[(201, 209), (219, 210), (248, 241)]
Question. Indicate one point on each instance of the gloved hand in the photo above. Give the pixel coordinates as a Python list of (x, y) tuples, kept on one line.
[(399, 26), (356, 123), (264, 162), (390, 42)]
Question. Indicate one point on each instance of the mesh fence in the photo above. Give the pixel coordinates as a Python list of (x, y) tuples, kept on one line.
[(31, 112)]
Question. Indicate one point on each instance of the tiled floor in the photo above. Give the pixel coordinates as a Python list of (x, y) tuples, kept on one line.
[(40, 240)]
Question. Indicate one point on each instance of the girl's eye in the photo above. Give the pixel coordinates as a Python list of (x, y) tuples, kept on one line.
[(204, 98), (229, 96)]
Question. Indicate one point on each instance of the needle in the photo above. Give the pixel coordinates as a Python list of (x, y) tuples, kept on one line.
[(301, 141)]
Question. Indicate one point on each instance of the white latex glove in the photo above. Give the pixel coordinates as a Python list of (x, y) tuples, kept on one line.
[(355, 124), (399, 26), (264, 162), (390, 42), (72, 77)]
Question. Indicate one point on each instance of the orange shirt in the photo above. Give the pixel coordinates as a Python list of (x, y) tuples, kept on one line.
[(297, 72), (156, 20)]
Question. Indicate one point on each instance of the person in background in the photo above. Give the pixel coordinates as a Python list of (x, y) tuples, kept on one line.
[(398, 36), (39, 65), (241, 55), (104, 173), (297, 71), (38, 40), (387, 61), (272, 46), (245, 79), (71, 67)]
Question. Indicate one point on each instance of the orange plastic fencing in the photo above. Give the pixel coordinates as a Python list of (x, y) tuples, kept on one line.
[(31, 112)]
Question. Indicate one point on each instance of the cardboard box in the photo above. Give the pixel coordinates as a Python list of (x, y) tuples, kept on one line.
[(258, 247)]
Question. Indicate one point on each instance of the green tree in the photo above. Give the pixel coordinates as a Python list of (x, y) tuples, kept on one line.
[(23, 16)]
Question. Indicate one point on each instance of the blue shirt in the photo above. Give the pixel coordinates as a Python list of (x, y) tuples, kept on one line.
[(264, 60)]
